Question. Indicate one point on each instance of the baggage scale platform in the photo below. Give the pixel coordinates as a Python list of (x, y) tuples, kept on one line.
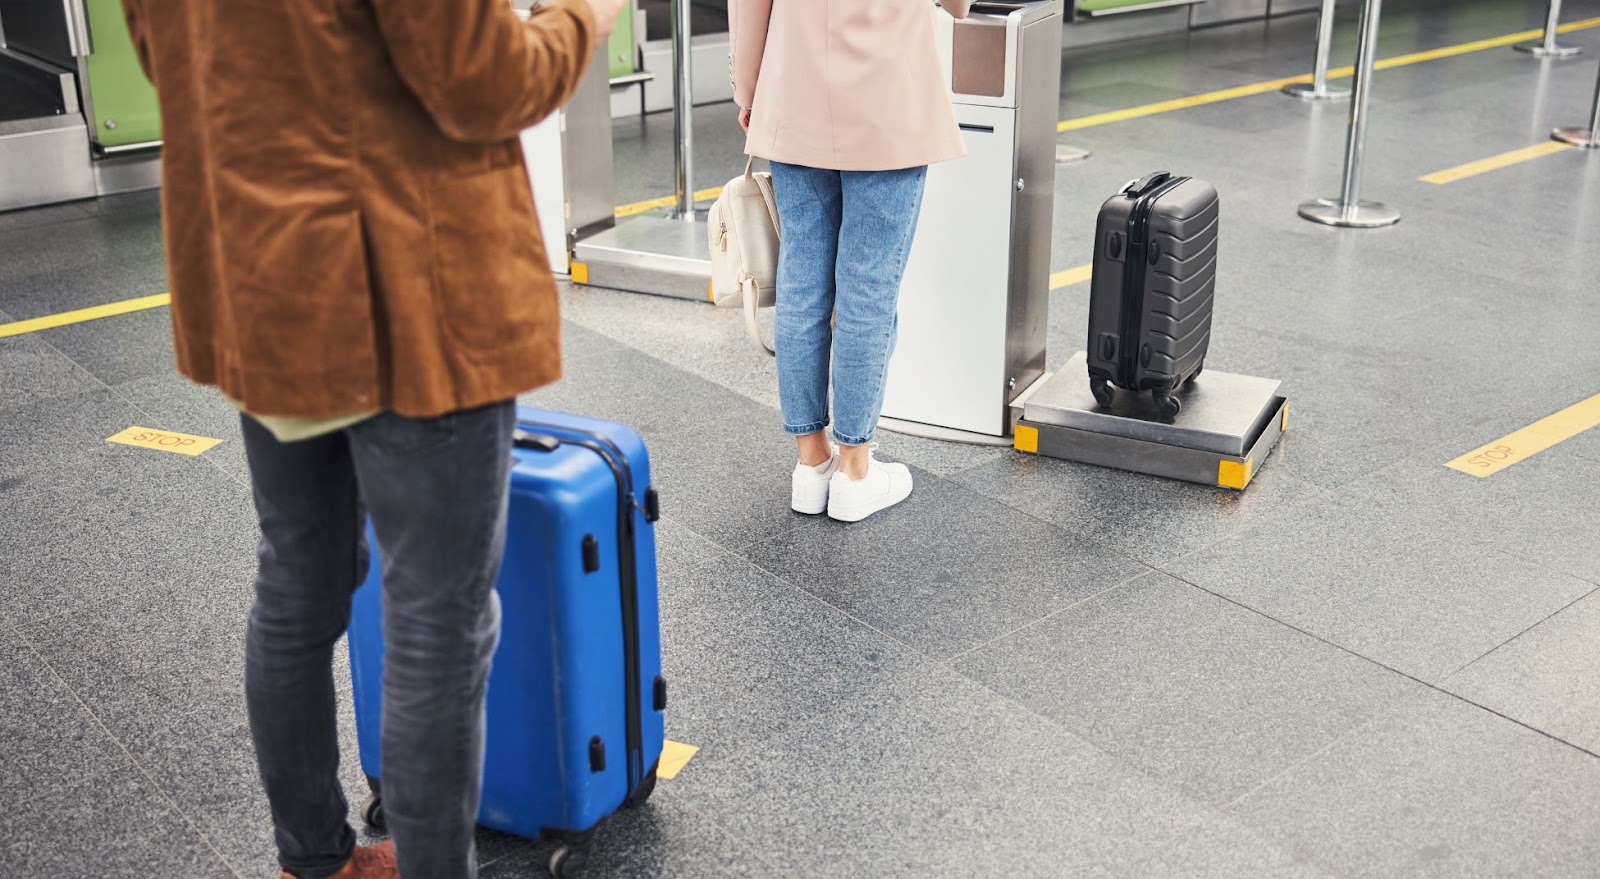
[(1227, 427)]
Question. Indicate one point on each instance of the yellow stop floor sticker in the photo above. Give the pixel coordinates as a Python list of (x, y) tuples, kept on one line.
[(165, 441), (674, 756), (1531, 440)]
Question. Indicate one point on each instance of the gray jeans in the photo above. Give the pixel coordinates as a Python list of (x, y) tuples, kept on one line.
[(436, 490)]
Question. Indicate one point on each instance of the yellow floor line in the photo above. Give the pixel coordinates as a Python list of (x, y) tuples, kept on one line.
[(668, 201), (110, 309), (1494, 163), (1071, 276), (1058, 280), (1531, 440), (1245, 91)]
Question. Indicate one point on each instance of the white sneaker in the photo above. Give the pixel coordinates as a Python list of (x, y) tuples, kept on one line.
[(810, 495), (851, 500)]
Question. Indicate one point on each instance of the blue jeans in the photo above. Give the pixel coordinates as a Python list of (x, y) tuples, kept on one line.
[(436, 490), (846, 237)]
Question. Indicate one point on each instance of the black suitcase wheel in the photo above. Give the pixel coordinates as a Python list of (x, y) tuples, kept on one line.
[(1197, 370), (1101, 390), (373, 815), (567, 862), (1167, 405)]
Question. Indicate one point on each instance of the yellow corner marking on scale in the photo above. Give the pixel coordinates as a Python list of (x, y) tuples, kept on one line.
[(1026, 439), (1283, 420), (1071, 276), (674, 756), (52, 321), (1259, 88), (1495, 163), (580, 273), (165, 441), (1490, 459), (1234, 474)]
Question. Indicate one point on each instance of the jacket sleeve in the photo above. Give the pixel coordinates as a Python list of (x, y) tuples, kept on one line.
[(133, 13), (957, 8), (482, 73), (747, 29)]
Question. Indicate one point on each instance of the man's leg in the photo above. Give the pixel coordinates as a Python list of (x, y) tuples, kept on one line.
[(312, 557), (436, 490)]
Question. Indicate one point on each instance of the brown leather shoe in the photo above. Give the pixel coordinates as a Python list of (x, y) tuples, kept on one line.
[(368, 862)]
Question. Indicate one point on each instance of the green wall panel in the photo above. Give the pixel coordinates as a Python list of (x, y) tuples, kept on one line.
[(122, 101)]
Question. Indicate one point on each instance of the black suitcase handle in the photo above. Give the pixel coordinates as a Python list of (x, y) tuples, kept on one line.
[(534, 442), (1138, 188)]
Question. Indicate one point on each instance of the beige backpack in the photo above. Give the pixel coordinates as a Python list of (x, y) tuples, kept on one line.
[(744, 233)]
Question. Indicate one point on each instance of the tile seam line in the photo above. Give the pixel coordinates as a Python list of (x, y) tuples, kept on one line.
[(131, 403), (1061, 728), (682, 801), (831, 606), (133, 761), (1380, 713), (1005, 698), (1025, 514), (1047, 617), (1506, 643), (1080, 534)]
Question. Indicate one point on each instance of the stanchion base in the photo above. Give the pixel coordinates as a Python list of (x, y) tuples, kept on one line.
[(1582, 138), (1068, 154), (1538, 50), (1364, 215), (1306, 91)]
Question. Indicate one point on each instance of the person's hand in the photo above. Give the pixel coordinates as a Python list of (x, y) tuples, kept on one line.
[(744, 120), (605, 15)]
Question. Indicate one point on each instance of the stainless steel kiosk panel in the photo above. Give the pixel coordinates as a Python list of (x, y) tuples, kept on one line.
[(973, 304), (569, 157)]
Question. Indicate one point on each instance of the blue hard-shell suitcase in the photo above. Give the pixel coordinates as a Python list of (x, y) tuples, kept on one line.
[(576, 698)]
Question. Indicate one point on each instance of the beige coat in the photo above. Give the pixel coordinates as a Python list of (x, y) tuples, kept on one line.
[(850, 85)]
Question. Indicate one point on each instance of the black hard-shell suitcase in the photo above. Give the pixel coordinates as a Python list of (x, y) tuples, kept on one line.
[(1155, 272)]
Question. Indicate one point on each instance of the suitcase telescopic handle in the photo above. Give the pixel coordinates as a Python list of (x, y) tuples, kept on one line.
[(1140, 187)]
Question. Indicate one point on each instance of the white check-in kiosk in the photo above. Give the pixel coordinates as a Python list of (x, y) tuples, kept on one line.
[(975, 299)]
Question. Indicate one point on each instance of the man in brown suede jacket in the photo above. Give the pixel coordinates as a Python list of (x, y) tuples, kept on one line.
[(355, 262)]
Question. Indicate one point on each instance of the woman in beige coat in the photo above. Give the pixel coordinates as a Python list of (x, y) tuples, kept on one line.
[(847, 100)]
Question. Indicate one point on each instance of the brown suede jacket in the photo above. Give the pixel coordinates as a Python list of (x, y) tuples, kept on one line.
[(349, 223)]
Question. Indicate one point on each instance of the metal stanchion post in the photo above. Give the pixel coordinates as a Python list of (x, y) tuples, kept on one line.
[(1547, 47), (1317, 89), (1587, 138), (682, 108), (1348, 209)]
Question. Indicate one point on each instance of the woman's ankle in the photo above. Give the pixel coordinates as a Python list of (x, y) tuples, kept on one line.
[(814, 449), (854, 461)]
